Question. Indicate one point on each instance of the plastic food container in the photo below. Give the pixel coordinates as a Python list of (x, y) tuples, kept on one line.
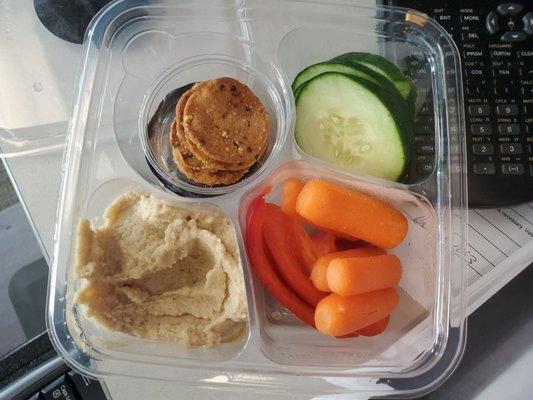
[(136, 53)]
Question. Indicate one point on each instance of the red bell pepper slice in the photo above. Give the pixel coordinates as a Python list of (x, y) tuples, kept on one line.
[(278, 233), (263, 267)]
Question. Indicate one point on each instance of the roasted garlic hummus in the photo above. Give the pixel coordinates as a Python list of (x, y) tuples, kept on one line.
[(162, 272)]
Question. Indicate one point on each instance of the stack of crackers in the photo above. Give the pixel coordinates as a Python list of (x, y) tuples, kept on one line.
[(220, 131)]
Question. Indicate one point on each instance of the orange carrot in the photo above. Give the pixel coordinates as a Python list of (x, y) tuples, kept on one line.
[(376, 328), (291, 190), (351, 213), (356, 275), (337, 315), (319, 272), (324, 243), (303, 246)]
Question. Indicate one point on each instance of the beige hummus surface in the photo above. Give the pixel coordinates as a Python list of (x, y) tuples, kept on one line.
[(163, 272)]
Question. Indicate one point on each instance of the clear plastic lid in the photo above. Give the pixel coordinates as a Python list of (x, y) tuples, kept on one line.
[(136, 53)]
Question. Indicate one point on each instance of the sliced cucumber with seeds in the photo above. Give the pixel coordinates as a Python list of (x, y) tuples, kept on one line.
[(353, 123), (317, 69), (386, 69)]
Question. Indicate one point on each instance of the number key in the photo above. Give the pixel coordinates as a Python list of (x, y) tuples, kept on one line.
[(481, 129), (507, 109), (483, 148), (510, 148), (509, 129), (481, 110)]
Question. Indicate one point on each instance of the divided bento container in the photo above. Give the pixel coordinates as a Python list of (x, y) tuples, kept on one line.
[(136, 53)]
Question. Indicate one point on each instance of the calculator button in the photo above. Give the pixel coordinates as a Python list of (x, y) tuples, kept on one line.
[(509, 129), (502, 73), (474, 54), (469, 36), (501, 90), (529, 129), (89, 389), (426, 109), (481, 129), (484, 169), (512, 169), (492, 23), (425, 148), (481, 110), (424, 125), (483, 148), (424, 168), (506, 109), (510, 148), (527, 90), (513, 37), (526, 72), (509, 8), (473, 72), (58, 390), (528, 109), (527, 21), (501, 54)]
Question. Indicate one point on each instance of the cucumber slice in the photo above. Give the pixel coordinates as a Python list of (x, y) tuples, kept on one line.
[(328, 66), (386, 69), (353, 123)]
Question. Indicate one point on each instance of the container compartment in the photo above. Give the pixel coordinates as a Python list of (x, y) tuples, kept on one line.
[(99, 342), (412, 332)]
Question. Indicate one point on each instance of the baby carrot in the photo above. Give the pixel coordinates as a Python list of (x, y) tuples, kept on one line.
[(351, 213), (264, 268), (337, 315), (375, 329), (324, 242), (291, 190), (319, 272), (356, 275), (278, 234)]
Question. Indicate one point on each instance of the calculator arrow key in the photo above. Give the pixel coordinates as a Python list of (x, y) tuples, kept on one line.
[(492, 22), (513, 37), (509, 8), (527, 21)]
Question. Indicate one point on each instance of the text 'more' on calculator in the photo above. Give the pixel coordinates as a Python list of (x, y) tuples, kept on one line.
[(495, 41)]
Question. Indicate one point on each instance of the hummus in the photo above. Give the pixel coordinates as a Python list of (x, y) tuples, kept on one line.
[(162, 272)]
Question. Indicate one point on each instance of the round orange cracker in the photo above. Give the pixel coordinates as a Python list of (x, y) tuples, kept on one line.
[(226, 122), (195, 170)]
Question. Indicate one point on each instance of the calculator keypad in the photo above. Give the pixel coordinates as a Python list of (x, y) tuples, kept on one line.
[(495, 43)]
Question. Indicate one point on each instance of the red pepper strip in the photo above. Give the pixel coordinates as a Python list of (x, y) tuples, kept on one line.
[(324, 242), (371, 330), (375, 329), (264, 269), (278, 234), (348, 336), (303, 247)]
